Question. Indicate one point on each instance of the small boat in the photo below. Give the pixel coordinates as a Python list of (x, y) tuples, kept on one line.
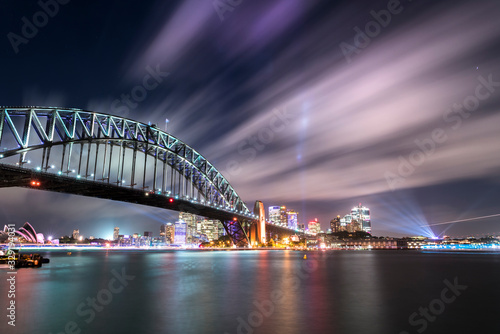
[(21, 260)]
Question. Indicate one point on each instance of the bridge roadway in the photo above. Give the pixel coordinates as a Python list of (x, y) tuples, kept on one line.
[(12, 176)]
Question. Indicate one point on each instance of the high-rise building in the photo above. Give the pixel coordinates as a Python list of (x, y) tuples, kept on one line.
[(335, 224), (314, 227), (169, 233), (283, 216), (180, 232), (191, 221), (209, 228), (292, 220), (116, 233), (274, 214), (76, 234), (362, 215)]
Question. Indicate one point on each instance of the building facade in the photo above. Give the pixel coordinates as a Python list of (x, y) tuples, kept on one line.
[(275, 214)]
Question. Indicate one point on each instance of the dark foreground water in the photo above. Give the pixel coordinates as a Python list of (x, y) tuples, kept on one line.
[(257, 292)]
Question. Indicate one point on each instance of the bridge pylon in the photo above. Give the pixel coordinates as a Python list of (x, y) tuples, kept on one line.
[(258, 229)]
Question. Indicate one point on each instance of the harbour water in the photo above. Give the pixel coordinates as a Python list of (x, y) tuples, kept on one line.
[(118, 291)]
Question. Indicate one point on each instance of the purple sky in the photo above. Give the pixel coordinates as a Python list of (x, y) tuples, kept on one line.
[(407, 124)]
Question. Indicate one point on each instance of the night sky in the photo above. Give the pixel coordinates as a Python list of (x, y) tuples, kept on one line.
[(316, 105)]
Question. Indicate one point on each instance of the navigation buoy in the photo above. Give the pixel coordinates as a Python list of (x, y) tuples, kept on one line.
[(305, 257)]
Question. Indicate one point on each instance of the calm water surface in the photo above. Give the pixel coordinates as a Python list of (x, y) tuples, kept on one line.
[(257, 292)]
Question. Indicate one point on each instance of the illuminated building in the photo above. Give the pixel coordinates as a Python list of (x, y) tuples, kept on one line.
[(180, 235), (274, 214), (191, 221), (335, 224), (169, 233), (27, 232), (292, 220), (362, 216), (162, 231), (314, 227), (116, 233), (283, 216), (210, 228), (76, 234)]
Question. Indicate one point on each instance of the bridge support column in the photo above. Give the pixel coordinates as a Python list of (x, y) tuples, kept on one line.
[(260, 235)]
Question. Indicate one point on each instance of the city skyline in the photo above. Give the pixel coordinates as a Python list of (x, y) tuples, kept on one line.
[(304, 111)]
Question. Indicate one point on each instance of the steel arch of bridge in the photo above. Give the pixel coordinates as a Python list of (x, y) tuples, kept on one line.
[(103, 148)]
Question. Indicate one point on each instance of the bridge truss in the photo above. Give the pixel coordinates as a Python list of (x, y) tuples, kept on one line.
[(114, 154)]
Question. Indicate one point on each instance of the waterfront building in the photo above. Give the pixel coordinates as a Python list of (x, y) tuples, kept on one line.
[(180, 235), (191, 221), (362, 216), (209, 228), (162, 232), (283, 216), (76, 234), (169, 233), (314, 227), (335, 224), (274, 214), (116, 233), (292, 220)]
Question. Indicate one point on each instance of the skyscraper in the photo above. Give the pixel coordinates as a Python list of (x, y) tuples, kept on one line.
[(191, 224), (314, 226), (76, 234), (362, 215), (292, 220), (335, 224), (116, 233), (274, 214), (180, 232), (283, 216), (169, 233)]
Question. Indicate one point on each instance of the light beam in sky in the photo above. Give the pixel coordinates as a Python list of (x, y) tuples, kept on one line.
[(463, 220)]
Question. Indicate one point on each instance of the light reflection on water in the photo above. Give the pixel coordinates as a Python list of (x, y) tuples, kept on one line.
[(237, 292)]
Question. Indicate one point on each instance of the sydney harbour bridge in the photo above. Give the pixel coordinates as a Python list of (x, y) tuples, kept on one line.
[(100, 155)]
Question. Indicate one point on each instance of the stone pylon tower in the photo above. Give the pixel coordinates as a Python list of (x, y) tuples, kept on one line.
[(261, 221)]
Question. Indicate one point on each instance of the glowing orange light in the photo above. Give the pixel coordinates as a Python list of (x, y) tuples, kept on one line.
[(235, 218)]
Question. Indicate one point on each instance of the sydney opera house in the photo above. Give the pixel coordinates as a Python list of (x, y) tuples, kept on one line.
[(25, 234)]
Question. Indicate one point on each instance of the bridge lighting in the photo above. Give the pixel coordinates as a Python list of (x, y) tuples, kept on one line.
[(38, 168), (235, 219), (35, 183), (72, 171), (52, 166), (123, 181), (59, 173), (1, 156), (92, 175), (29, 161), (147, 194), (171, 200), (78, 176)]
